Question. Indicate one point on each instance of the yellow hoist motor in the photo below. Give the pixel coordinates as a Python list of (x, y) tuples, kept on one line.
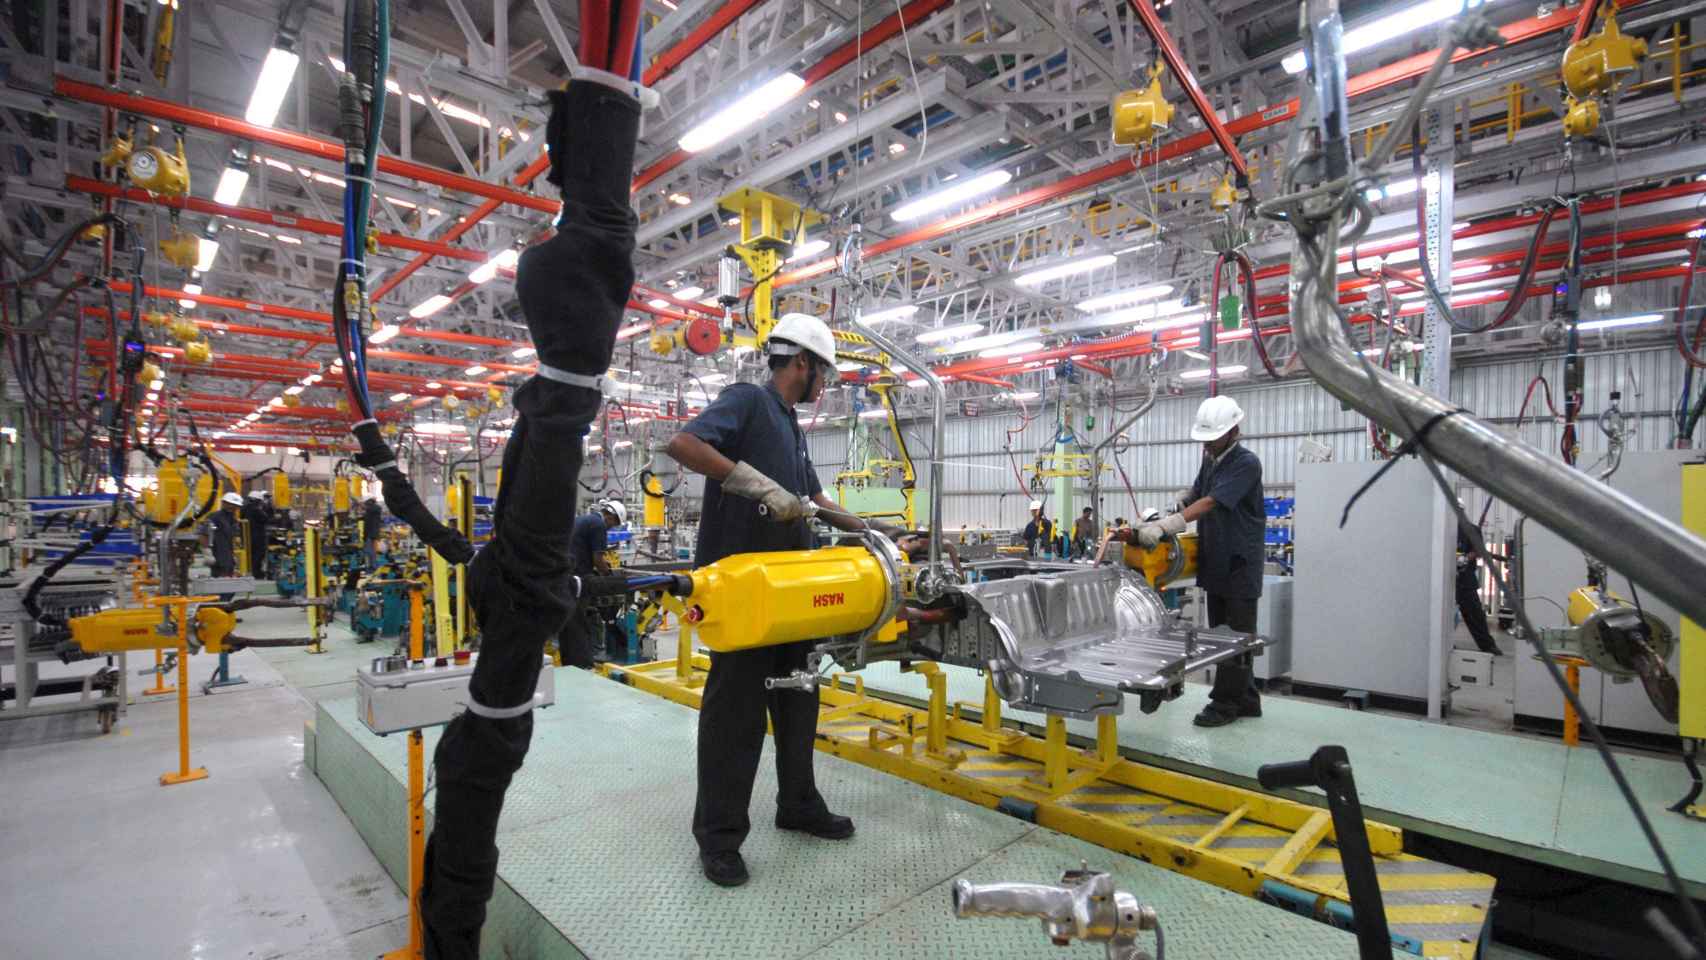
[(280, 490), (158, 170), (181, 249), (198, 352), (1595, 65), (652, 488), (1139, 114), (340, 495)]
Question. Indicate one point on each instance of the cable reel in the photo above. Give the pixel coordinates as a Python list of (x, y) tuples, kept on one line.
[(157, 170), (1138, 114)]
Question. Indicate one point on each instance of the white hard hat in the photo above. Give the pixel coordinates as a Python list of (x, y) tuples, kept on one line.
[(615, 507), (802, 331), (1215, 417), (233, 499), (1036, 504)]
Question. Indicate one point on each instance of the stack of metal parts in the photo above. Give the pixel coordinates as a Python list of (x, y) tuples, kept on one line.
[(25, 643)]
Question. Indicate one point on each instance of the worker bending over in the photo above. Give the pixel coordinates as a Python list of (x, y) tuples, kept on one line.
[(222, 531), (589, 547), (572, 288), (1225, 501), (758, 480)]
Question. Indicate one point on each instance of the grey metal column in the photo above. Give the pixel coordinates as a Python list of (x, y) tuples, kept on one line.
[(1438, 192)]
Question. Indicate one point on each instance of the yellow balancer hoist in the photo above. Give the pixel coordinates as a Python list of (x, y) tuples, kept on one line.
[(1595, 65)]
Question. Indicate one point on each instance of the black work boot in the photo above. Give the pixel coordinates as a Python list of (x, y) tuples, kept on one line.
[(724, 868)]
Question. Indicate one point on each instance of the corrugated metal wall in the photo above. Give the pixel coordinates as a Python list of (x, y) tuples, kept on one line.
[(981, 489)]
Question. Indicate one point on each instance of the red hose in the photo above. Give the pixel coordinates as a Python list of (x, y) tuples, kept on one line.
[(627, 28), (595, 34)]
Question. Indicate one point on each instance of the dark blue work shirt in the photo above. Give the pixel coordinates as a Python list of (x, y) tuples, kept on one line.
[(749, 423), (1229, 537), (587, 539)]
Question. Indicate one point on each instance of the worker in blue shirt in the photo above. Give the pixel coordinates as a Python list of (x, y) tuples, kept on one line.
[(758, 482), (589, 544), (1226, 503)]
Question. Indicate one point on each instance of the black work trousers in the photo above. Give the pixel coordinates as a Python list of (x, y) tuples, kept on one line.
[(1235, 679), (731, 739), (575, 640), (1470, 609), (572, 288)]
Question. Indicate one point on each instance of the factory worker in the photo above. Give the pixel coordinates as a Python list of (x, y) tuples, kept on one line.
[(222, 535), (589, 544), (758, 478), (1038, 529), (1226, 503)]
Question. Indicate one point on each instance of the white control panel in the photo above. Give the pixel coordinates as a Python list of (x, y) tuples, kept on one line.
[(396, 694)]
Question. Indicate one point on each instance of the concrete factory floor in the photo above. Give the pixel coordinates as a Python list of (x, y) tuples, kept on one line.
[(259, 860)]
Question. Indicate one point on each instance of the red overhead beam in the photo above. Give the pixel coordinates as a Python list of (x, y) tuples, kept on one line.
[(1182, 70), (1400, 71), (286, 140), (666, 62)]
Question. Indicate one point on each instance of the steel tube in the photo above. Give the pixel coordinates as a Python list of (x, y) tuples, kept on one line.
[(1096, 451), (1635, 541)]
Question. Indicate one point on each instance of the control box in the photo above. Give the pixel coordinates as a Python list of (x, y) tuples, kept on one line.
[(396, 694)]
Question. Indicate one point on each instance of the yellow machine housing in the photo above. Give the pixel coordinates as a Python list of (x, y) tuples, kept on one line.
[(654, 501), (1581, 117), (1224, 194), (1172, 559), (171, 491), (126, 628), (118, 151), (1596, 63), (1138, 114), (198, 352), (340, 495), (754, 600), (158, 170), (281, 490)]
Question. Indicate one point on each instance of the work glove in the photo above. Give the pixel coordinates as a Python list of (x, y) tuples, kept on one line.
[(1150, 535), (1181, 500), (746, 481)]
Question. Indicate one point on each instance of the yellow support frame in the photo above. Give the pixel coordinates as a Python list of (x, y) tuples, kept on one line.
[(770, 226), (1089, 792)]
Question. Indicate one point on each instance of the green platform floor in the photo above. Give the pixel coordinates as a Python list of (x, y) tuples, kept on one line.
[(597, 860), (1535, 799)]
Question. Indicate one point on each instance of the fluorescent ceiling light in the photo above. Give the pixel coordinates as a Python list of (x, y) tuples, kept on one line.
[(1145, 313), (504, 259), (951, 196), (399, 397), (1067, 269), (295, 389), (429, 306), (232, 183), (1024, 395), (251, 417), (186, 302), (440, 429), (156, 384), (1396, 188), (522, 353), (810, 248), (892, 313), (206, 249), (271, 86), (276, 402), (622, 443), (433, 385), (384, 334), (954, 332), (1012, 349), (1697, 232), (1172, 323), (687, 292), (1369, 33), (1134, 295), (743, 113), (474, 370), (1196, 355), (986, 341), (848, 366), (873, 413), (152, 396), (311, 379), (1634, 321), (1198, 374)]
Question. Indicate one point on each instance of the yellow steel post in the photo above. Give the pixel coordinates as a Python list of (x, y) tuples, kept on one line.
[(312, 583), (991, 706), (936, 734), (1513, 111), (180, 608), (138, 580), (417, 795), (1107, 738), (1676, 61), (444, 626), (464, 522), (1055, 768)]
